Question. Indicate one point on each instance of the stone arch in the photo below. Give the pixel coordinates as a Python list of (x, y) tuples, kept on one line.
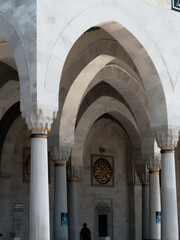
[(5, 123), (99, 90), (69, 114), (9, 95), (102, 207), (120, 80), (105, 89), (7, 73), (102, 47), (101, 106), (141, 48), (11, 36)]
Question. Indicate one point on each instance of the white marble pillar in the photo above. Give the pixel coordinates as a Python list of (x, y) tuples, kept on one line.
[(154, 165), (154, 205), (61, 153), (145, 211), (60, 201), (169, 197), (39, 118), (167, 141), (39, 228), (143, 174), (72, 203)]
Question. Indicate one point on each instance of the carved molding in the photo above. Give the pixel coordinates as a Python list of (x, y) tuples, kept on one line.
[(39, 118), (65, 150), (153, 162), (60, 151), (73, 172), (167, 139), (60, 164), (143, 173)]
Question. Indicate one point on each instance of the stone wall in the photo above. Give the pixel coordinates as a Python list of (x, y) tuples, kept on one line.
[(121, 197)]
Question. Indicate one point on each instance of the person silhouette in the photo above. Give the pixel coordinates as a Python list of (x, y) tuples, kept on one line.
[(85, 233)]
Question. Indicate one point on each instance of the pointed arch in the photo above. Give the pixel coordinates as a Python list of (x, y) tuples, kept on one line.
[(101, 106), (9, 33), (135, 40)]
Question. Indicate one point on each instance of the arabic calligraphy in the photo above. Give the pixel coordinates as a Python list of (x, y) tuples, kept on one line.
[(28, 165), (102, 171)]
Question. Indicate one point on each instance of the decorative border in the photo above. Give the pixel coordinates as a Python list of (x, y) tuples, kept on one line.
[(174, 5), (94, 158)]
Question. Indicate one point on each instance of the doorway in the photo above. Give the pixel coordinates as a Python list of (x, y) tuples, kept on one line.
[(102, 225), (103, 219)]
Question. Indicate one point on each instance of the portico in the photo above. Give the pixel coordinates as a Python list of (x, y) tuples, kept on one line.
[(86, 90)]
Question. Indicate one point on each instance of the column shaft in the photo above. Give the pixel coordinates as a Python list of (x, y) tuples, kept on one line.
[(72, 209), (60, 202), (169, 198), (154, 205), (145, 211), (39, 228)]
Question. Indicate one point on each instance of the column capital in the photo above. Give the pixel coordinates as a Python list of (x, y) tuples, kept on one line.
[(73, 172), (39, 117), (153, 162), (167, 139), (60, 151), (143, 173), (65, 150)]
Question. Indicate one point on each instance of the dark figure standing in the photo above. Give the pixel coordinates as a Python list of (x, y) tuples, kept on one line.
[(85, 233)]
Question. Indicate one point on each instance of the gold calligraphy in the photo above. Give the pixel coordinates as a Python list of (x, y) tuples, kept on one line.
[(102, 171), (28, 165)]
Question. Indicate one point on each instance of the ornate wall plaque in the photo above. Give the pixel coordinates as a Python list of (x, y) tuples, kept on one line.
[(102, 168), (102, 171)]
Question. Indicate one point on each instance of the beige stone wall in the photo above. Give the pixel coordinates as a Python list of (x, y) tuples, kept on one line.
[(113, 138)]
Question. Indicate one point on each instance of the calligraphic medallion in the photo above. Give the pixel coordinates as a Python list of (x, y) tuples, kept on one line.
[(28, 165), (102, 171)]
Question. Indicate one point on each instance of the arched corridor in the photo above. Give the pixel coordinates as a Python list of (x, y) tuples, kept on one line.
[(89, 120)]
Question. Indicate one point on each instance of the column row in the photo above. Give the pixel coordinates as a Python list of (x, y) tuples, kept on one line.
[(159, 208), (39, 197)]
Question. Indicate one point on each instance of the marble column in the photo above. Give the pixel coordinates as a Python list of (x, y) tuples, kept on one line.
[(39, 118), (145, 211), (167, 141), (143, 174), (39, 189), (73, 173), (60, 194), (154, 166)]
